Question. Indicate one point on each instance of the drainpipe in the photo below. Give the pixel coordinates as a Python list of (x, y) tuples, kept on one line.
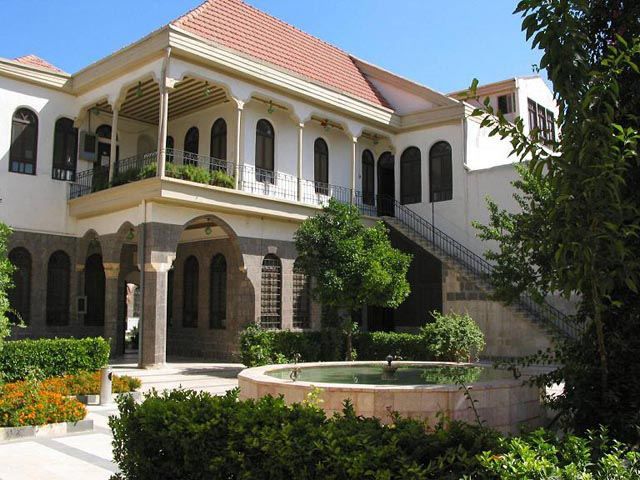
[(141, 262)]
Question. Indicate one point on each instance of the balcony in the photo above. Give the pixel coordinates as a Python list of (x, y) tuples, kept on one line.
[(204, 170)]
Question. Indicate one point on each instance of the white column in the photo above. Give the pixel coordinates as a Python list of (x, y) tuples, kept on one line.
[(114, 144), (300, 151), (236, 168), (162, 127), (353, 168)]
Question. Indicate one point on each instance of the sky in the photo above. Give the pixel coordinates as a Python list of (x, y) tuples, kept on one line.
[(441, 44)]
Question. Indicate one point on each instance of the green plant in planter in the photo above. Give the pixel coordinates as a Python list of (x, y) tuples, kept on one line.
[(453, 337), (194, 173), (222, 179)]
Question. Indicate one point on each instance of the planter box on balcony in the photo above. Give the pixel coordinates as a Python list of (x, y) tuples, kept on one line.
[(8, 434)]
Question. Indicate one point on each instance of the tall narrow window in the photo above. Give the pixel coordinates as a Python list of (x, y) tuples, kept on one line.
[(271, 293), (23, 152), (20, 294), (191, 142), (533, 114), (58, 283), (386, 184), (65, 147), (218, 292), (410, 176), (440, 173), (170, 145), (321, 166), (219, 139), (265, 142), (368, 178), (170, 281), (190, 290), (94, 285), (301, 298)]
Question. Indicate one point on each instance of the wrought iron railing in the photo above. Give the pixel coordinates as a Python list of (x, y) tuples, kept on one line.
[(474, 264)]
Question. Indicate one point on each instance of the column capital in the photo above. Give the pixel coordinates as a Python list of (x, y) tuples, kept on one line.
[(301, 125), (111, 270)]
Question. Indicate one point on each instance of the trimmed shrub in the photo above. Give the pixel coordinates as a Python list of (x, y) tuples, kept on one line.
[(186, 434), (27, 403), (88, 383), (453, 338), (377, 345), (194, 173), (21, 359)]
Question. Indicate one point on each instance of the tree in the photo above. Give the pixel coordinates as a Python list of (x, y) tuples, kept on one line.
[(6, 282), (578, 233), (352, 265)]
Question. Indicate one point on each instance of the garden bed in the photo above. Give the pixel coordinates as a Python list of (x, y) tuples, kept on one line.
[(8, 434)]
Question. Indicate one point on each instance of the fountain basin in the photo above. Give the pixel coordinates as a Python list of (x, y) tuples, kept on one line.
[(418, 390)]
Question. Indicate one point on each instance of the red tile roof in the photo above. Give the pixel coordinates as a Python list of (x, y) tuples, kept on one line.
[(235, 25), (35, 61)]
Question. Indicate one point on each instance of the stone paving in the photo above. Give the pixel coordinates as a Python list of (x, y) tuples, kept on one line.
[(88, 456)]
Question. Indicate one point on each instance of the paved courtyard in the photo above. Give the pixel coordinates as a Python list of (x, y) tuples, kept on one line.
[(88, 456)]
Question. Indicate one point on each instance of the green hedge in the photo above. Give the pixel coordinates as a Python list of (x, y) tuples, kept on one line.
[(46, 357), (185, 434), (448, 338)]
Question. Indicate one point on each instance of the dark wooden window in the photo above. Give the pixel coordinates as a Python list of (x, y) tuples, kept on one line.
[(191, 142), (506, 103), (58, 283), (94, 285), (386, 184), (368, 178), (219, 139), (65, 150), (301, 298), (410, 176), (265, 145), (321, 166), (170, 282), (440, 173), (218, 292), (271, 292), (190, 290), (20, 294), (23, 152), (543, 120)]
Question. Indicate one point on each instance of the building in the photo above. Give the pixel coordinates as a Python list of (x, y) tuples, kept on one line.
[(96, 183)]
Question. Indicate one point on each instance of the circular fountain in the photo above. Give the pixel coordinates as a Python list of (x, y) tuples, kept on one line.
[(413, 389)]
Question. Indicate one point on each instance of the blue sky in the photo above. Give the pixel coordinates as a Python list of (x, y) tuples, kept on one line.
[(442, 44)]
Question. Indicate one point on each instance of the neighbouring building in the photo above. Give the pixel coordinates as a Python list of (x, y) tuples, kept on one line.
[(112, 233)]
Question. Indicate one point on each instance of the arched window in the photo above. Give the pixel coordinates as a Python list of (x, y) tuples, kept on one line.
[(321, 166), (218, 292), (20, 294), (104, 131), (191, 142), (301, 298), (170, 145), (271, 292), (265, 141), (65, 148), (368, 178), (219, 139), (145, 144), (410, 176), (440, 173), (386, 184), (190, 285), (23, 152), (58, 283), (94, 286)]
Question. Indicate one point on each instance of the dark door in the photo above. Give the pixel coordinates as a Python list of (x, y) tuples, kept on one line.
[(380, 319), (386, 184)]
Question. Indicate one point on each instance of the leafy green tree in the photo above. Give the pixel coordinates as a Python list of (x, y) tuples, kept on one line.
[(578, 231), (6, 282), (352, 265)]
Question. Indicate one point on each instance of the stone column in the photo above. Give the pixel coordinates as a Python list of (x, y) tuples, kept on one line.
[(236, 167), (300, 154), (111, 299), (158, 244), (114, 144)]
